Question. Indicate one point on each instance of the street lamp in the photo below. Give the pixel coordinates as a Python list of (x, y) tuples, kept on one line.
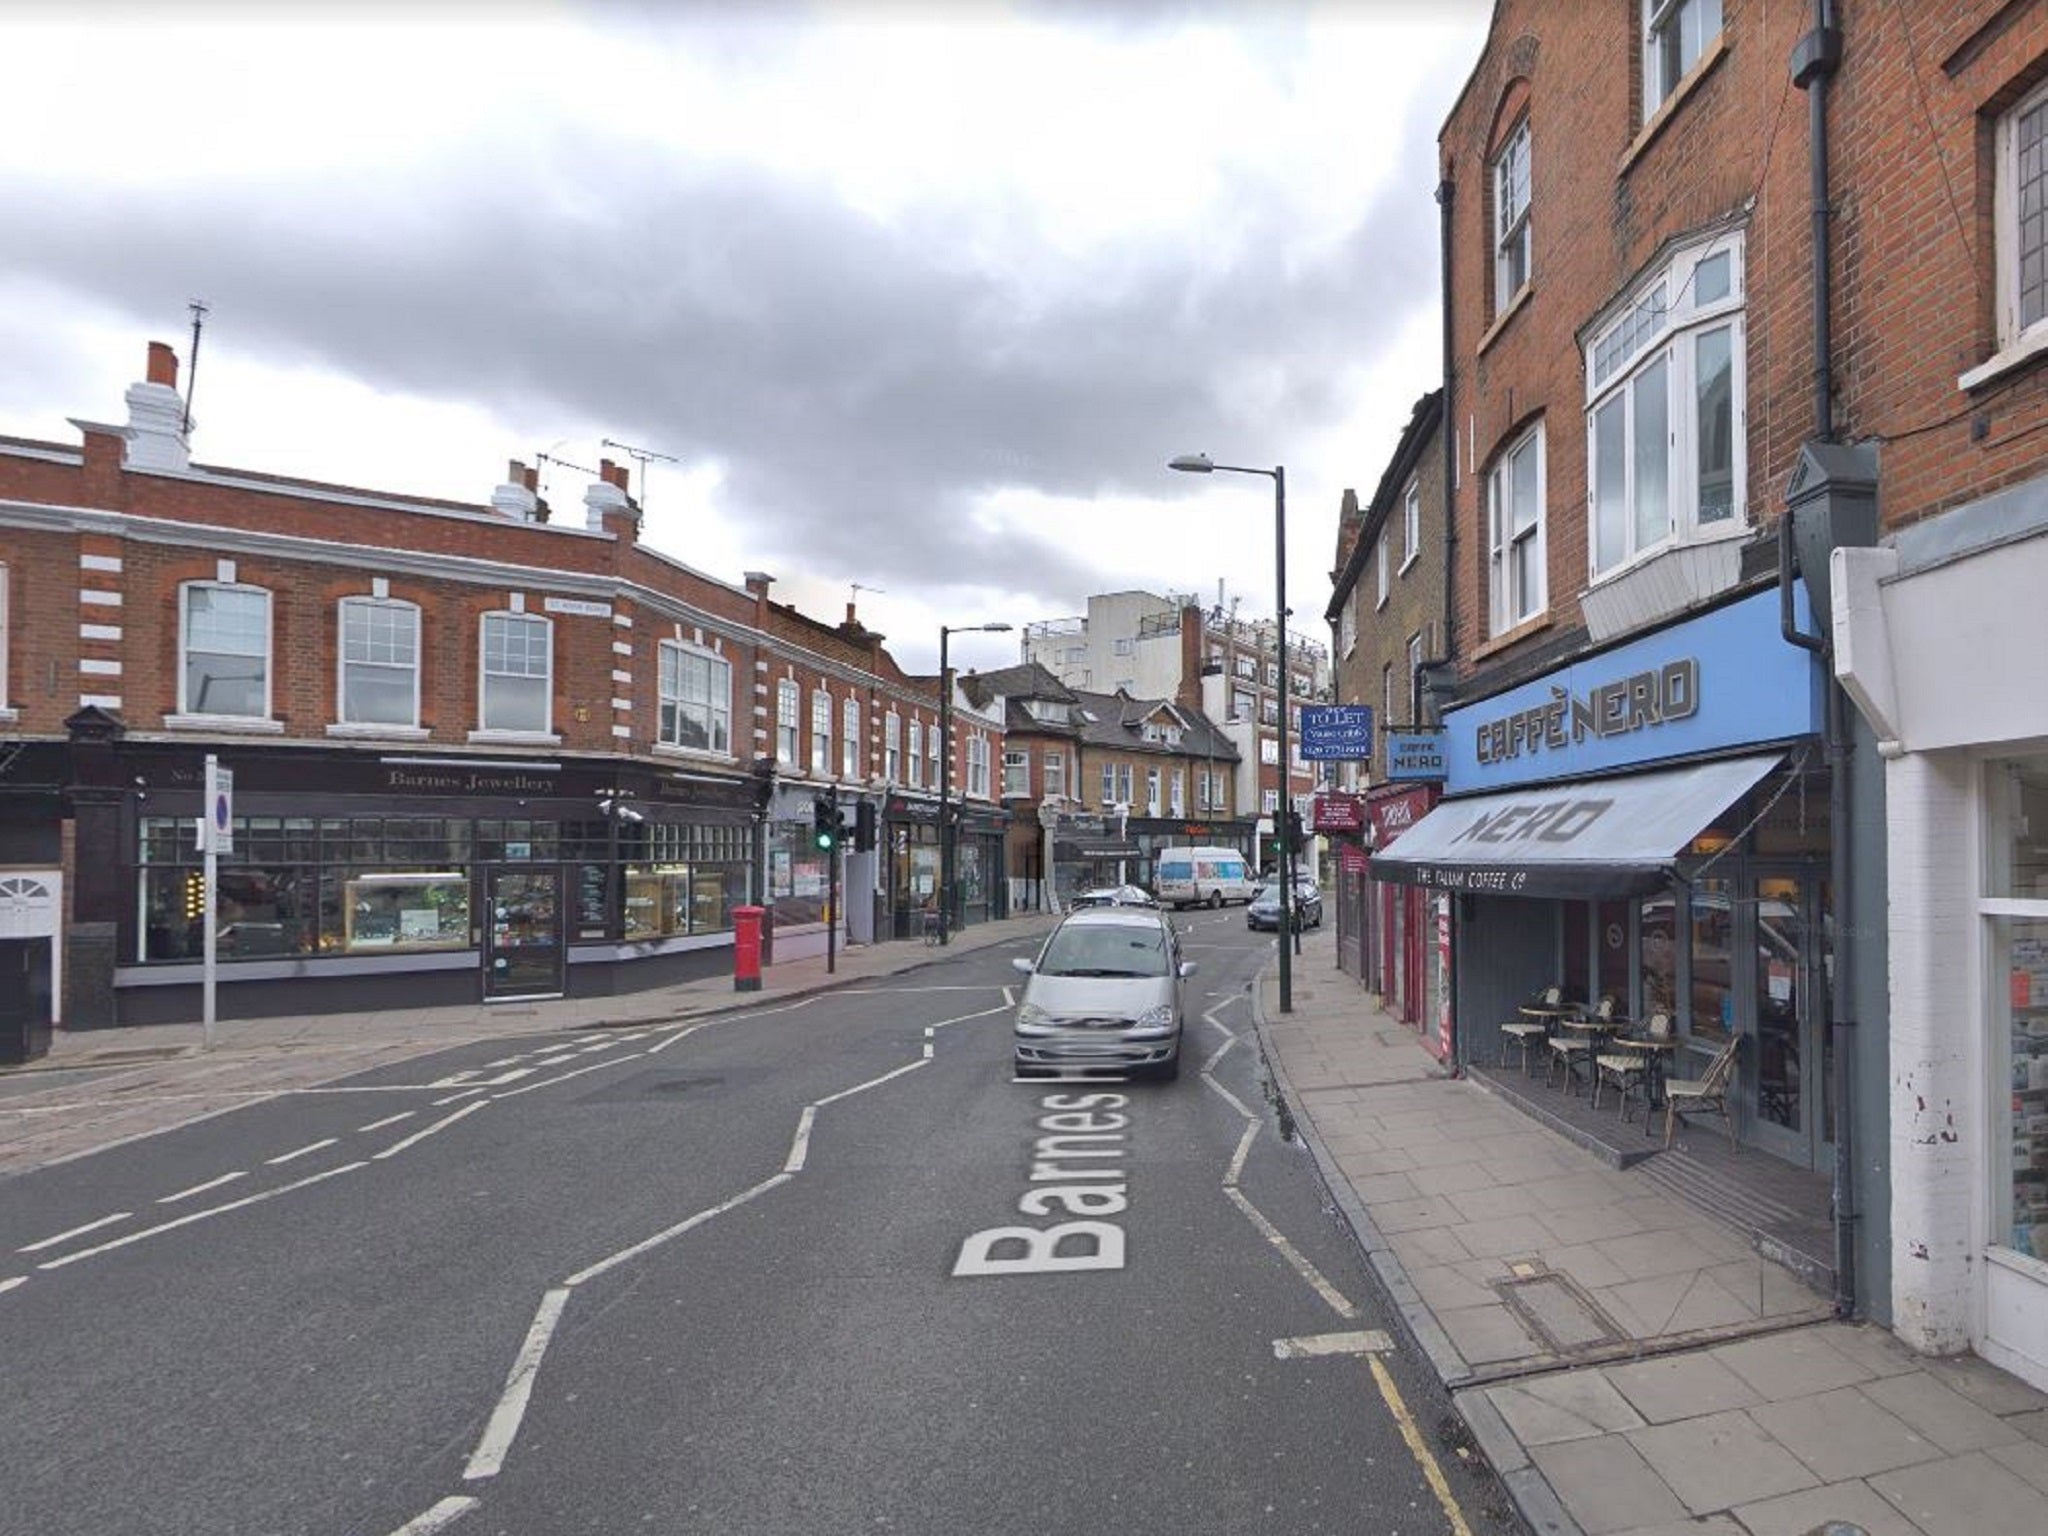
[(1200, 464), (946, 837)]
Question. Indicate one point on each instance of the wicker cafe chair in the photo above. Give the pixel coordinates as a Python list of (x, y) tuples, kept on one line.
[(1567, 1050), (1686, 1096), (1628, 1069), (1520, 1033)]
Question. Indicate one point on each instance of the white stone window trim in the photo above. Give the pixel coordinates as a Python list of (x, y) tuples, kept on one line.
[(682, 648), (344, 731), (1658, 17), (242, 725), (346, 727), (489, 733), (515, 738), (260, 722)]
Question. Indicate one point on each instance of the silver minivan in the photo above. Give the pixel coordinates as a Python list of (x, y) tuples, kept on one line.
[(1105, 991)]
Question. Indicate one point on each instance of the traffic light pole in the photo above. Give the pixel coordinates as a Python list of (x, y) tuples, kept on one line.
[(832, 912)]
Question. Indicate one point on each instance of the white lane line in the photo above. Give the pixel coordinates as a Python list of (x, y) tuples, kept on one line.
[(968, 1018), (466, 1093), (378, 1125), (503, 1427), (8, 1285), (1229, 1098), (600, 1045), (1244, 1146), (439, 1518), (65, 1237), (1292, 1255), (681, 1034), (200, 1189), (272, 1162), (455, 1079), (1210, 1064), (421, 1135), (511, 1076), (800, 1148), (1362, 1341), (210, 1211), (625, 1255), (562, 1077), (556, 1060), (873, 1082)]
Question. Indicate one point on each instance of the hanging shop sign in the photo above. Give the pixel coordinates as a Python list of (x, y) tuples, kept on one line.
[(1336, 733), (1415, 755), (1336, 812)]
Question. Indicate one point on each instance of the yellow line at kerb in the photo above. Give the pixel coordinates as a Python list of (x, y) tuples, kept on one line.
[(1418, 1448)]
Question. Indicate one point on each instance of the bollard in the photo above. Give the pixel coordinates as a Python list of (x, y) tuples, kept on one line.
[(746, 949)]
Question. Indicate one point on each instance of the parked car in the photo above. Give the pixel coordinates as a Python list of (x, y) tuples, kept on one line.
[(1115, 896), (1106, 990), (1264, 912)]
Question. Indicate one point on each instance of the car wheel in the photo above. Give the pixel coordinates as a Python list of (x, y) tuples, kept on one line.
[(1215, 900)]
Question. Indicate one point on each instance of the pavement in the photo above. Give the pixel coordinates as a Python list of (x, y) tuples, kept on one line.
[(99, 1088), (1627, 1363)]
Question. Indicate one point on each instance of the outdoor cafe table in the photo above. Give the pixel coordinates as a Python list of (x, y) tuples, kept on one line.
[(1656, 1051), (1592, 1028)]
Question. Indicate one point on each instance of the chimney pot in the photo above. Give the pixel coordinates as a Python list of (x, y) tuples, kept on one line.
[(607, 471), (515, 473), (529, 476), (163, 364)]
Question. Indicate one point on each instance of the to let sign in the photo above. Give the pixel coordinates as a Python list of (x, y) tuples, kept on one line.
[(1338, 813), (1340, 733)]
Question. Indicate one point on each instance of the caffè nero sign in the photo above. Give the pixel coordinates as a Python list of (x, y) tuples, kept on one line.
[(1722, 681)]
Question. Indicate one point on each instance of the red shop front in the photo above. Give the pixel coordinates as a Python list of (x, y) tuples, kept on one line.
[(1410, 935)]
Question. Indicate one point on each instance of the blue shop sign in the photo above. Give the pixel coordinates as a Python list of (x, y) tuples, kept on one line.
[(1415, 755), (1726, 679), (1339, 733)]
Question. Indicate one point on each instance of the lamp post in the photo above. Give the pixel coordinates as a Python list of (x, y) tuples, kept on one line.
[(946, 838), (1201, 464)]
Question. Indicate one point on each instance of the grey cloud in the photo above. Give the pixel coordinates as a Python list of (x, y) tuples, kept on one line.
[(861, 382)]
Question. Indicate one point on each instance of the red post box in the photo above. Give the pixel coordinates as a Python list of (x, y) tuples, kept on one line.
[(746, 948)]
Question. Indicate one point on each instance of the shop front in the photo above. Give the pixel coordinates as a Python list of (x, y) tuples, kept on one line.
[(1648, 824), (1935, 640), (1404, 917), (361, 881)]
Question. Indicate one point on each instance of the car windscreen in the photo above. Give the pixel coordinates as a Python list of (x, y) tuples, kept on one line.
[(1121, 949)]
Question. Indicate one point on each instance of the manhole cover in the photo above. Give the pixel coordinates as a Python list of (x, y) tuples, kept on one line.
[(1563, 1316)]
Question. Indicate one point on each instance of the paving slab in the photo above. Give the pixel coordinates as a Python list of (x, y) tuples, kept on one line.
[(1606, 1486), (1576, 1405), (1965, 1495), (1843, 1434), (1795, 1364), (1681, 1387), (1947, 1418), (1800, 1514), (1718, 1461)]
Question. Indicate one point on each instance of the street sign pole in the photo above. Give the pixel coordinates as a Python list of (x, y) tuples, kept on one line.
[(216, 836)]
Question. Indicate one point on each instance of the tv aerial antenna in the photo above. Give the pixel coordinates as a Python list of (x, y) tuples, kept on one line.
[(642, 457)]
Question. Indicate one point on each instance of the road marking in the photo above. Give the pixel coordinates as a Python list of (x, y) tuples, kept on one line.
[(200, 1189), (873, 1082), (1244, 1146), (439, 1518), (421, 1135), (685, 1033), (8, 1285), (210, 1211), (800, 1148), (466, 1093), (1210, 1064), (557, 1060), (563, 1077), (503, 1427), (968, 1018), (272, 1162), (1292, 1255), (601, 1045), (1418, 1447), (378, 1125), (1363, 1341), (698, 1220), (1230, 1098), (65, 1237)]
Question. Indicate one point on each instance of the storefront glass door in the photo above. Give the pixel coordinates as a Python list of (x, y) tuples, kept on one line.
[(1781, 1077), (523, 954)]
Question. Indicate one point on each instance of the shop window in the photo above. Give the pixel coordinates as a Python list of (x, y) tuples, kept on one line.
[(380, 662), (2016, 910), (389, 911), (788, 701), (696, 699), (518, 672), (6, 711), (1712, 909), (225, 641), (1657, 951)]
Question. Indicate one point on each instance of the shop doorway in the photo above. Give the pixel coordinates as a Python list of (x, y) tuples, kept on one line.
[(1783, 1086), (523, 952)]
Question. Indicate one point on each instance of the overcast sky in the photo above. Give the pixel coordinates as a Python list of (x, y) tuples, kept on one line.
[(918, 296)]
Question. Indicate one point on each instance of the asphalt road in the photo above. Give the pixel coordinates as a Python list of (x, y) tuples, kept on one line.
[(732, 1277)]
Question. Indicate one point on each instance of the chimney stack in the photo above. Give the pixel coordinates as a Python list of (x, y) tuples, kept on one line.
[(758, 583), (516, 498), (607, 507), (156, 416)]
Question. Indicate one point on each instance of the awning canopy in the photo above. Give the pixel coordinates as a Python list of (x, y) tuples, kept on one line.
[(1604, 837)]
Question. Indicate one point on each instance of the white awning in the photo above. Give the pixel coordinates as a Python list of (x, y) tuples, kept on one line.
[(1600, 837)]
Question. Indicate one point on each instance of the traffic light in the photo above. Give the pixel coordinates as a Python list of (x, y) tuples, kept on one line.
[(1294, 838), (824, 824), (864, 827)]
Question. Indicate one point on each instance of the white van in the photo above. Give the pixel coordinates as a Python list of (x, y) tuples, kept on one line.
[(1192, 877)]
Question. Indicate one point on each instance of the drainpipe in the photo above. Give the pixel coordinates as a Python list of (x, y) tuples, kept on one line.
[(1814, 62), (1446, 195)]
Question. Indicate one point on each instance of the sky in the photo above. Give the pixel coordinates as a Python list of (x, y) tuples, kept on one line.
[(905, 303)]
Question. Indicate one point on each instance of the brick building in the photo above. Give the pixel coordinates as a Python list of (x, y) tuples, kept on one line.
[(479, 750)]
